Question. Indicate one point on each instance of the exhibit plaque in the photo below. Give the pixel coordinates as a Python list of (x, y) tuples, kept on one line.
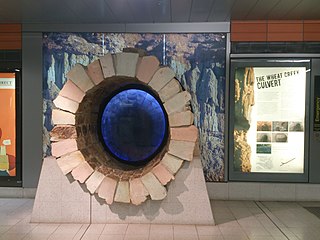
[(269, 121), (7, 125)]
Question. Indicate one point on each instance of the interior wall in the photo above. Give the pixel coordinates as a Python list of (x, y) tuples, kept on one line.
[(31, 108)]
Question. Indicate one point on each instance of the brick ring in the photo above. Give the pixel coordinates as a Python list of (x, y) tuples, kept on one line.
[(75, 141)]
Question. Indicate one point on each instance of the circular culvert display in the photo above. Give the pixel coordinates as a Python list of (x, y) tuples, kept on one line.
[(133, 125)]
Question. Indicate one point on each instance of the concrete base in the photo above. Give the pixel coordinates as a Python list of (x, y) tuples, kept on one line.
[(62, 200)]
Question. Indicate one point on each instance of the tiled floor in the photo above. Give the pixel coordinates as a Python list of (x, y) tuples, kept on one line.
[(236, 220)]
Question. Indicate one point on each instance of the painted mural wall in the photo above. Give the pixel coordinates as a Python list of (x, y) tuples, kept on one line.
[(197, 59)]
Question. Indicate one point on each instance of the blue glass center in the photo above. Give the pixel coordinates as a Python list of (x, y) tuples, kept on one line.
[(133, 126)]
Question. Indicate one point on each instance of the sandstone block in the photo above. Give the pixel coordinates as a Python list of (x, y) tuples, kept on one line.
[(138, 192), (70, 161), (180, 119), (140, 51), (163, 175), (161, 77), (61, 132), (154, 187), (126, 63), (94, 181), (95, 72), (107, 189), (66, 104), (170, 90), (122, 192), (107, 65), (182, 149), (82, 172), (147, 68), (71, 91), (63, 147), (178, 103), (62, 117), (172, 163), (189, 134), (79, 76)]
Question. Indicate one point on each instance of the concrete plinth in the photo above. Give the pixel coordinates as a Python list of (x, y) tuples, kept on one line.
[(63, 200)]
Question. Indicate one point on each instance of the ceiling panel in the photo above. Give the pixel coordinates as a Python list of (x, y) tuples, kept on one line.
[(141, 9), (282, 8), (180, 10), (261, 9), (221, 11), (121, 10), (101, 11), (303, 9), (154, 11), (241, 8), (161, 10), (200, 10)]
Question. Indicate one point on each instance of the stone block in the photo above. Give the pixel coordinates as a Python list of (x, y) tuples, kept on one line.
[(62, 132), (138, 192), (170, 90), (178, 103), (189, 134), (82, 172), (126, 64), (78, 75), (147, 68), (71, 91), (140, 51), (172, 163), (107, 189), (62, 117), (154, 187), (94, 181), (107, 65), (122, 192), (70, 161), (66, 104), (63, 147), (182, 149), (95, 72), (163, 175), (180, 119), (161, 77)]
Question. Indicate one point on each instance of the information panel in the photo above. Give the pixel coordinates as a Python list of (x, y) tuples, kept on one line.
[(7, 125), (269, 119)]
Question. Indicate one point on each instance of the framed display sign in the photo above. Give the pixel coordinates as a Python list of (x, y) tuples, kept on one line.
[(10, 163), (268, 120)]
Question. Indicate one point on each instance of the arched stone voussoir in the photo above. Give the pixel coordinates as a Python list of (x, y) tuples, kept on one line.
[(122, 192), (78, 75), (107, 189), (66, 104), (189, 134), (82, 172), (182, 149), (170, 90), (162, 174), (60, 117), (180, 119), (147, 67), (107, 65), (126, 64), (70, 161), (161, 77), (94, 71), (156, 190), (94, 181), (72, 91), (63, 147), (179, 103), (138, 192)]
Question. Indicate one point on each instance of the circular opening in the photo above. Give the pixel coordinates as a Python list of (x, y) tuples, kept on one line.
[(133, 125)]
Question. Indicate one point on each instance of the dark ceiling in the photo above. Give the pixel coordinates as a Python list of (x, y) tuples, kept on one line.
[(154, 11)]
